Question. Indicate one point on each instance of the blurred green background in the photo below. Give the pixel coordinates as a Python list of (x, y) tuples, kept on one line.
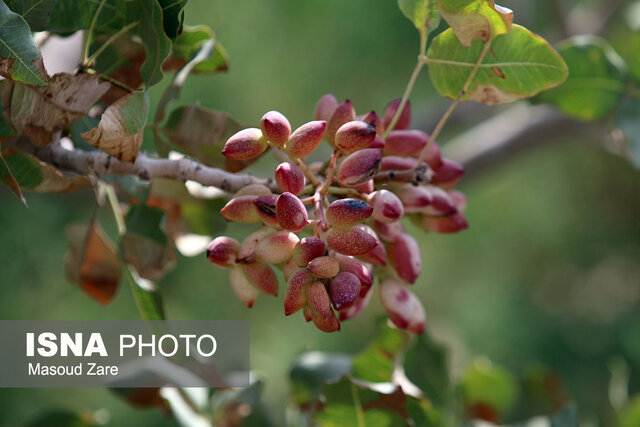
[(548, 272)]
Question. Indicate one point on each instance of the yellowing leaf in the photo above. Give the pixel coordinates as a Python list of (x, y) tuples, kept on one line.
[(92, 262), (597, 79), (39, 111), (476, 19), (119, 132), (423, 14), (519, 65)]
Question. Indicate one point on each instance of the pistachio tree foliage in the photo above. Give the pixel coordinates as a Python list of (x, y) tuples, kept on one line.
[(334, 227)]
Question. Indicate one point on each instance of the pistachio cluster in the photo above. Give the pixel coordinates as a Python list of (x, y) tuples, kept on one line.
[(331, 227)]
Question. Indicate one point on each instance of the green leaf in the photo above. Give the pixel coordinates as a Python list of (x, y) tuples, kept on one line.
[(201, 133), (5, 127), (476, 19), (312, 369), (426, 365), (9, 180), (490, 385), (146, 222), (20, 59), (173, 14), (627, 121), (189, 44), (350, 403), (145, 245), (147, 296), (630, 414), (120, 130), (423, 14), (519, 65), (203, 54), (376, 362), (62, 418), (597, 79), (72, 15), (25, 169), (157, 44), (37, 13)]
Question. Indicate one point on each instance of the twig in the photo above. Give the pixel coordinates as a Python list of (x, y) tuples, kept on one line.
[(89, 34), (97, 163), (92, 58), (412, 81), (447, 114)]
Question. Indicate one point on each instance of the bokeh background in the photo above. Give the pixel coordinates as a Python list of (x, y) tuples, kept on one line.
[(548, 274)]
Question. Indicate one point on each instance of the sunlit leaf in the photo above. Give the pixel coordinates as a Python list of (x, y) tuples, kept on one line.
[(519, 65), (476, 19), (488, 388), (189, 43), (630, 414), (120, 130), (20, 59), (39, 111), (349, 403), (201, 133), (376, 362), (172, 92), (92, 262), (423, 14), (597, 79)]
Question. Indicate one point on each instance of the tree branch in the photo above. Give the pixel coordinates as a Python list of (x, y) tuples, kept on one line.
[(518, 128), (98, 163)]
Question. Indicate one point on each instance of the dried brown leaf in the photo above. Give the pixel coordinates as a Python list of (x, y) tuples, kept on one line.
[(120, 130), (39, 111), (92, 262)]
